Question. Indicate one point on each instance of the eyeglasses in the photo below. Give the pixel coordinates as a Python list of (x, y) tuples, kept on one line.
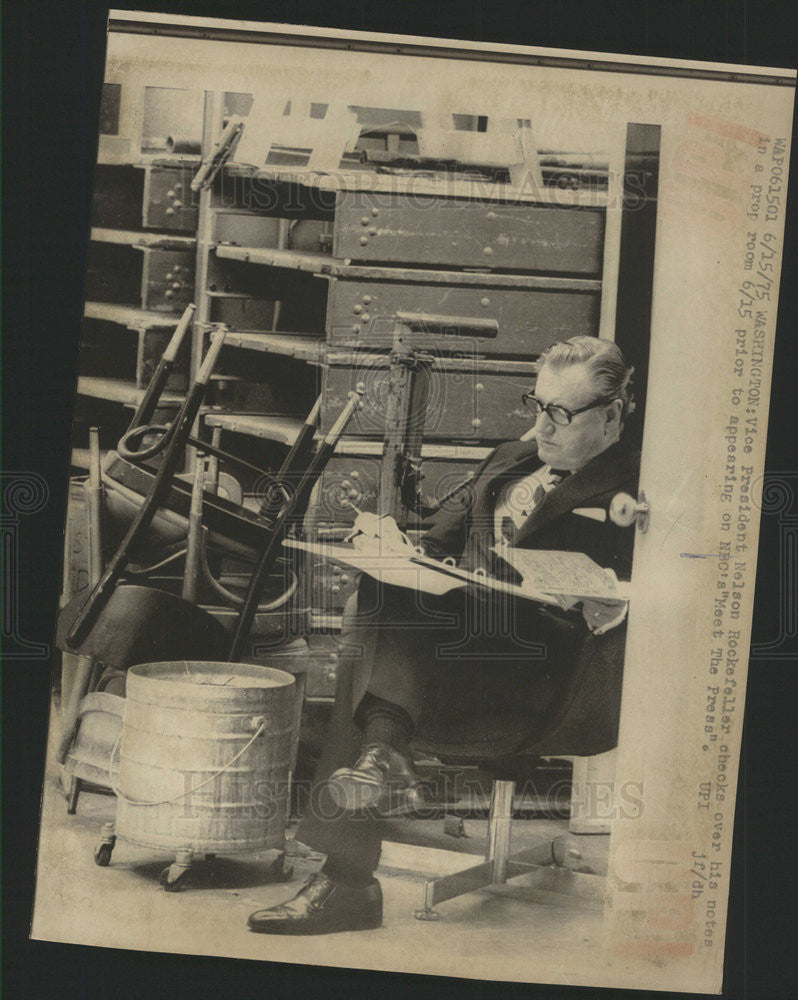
[(558, 414)]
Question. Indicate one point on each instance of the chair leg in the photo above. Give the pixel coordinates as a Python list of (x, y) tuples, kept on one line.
[(500, 823), (492, 871), (75, 788)]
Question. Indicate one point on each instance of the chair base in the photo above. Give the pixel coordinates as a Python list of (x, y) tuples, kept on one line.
[(499, 865)]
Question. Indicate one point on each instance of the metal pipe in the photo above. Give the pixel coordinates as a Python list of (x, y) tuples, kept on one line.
[(213, 462), (152, 394), (219, 151), (295, 461), (299, 497), (194, 539), (500, 824), (85, 668), (94, 507)]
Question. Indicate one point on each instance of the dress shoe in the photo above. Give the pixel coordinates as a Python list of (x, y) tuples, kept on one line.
[(323, 906), (382, 779)]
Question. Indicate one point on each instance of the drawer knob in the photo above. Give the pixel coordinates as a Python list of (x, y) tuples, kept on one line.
[(488, 251), (476, 422), (364, 240), (484, 302)]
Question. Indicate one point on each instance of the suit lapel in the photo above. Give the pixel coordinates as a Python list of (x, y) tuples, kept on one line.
[(602, 474), (517, 459)]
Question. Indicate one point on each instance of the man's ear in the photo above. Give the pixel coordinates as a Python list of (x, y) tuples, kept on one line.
[(614, 411)]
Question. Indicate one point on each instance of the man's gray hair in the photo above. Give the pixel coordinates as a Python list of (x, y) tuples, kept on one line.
[(605, 363)]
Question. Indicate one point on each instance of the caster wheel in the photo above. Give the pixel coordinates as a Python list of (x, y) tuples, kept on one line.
[(102, 854), (426, 914), (173, 878)]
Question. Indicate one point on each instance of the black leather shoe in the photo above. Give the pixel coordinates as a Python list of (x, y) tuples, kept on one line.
[(382, 779), (322, 906)]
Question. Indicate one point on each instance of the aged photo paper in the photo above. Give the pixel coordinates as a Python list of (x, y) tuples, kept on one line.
[(546, 194)]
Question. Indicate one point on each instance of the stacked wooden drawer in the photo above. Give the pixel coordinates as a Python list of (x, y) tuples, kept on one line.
[(313, 280), (531, 272), (140, 276)]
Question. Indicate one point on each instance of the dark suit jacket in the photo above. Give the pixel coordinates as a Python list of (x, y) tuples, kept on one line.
[(467, 531), (485, 707)]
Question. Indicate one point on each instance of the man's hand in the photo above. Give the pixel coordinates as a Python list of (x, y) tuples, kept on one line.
[(602, 614), (381, 533)]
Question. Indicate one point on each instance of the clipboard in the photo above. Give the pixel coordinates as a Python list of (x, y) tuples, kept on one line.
[(412, 570)]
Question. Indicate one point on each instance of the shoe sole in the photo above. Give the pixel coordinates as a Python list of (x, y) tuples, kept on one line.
[(357, 797), (300, 929)]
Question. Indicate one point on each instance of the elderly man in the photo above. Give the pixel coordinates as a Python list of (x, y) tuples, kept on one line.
[(475, 675)]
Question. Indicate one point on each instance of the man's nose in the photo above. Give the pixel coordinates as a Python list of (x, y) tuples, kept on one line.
[(544, 424)]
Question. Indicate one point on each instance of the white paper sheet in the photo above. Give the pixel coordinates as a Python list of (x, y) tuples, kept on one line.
[(557, 572)]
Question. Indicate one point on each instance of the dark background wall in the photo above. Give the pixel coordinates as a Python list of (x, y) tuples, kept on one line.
[(52, 70)]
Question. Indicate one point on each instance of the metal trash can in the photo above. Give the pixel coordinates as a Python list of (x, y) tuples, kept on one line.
[(204, 761)]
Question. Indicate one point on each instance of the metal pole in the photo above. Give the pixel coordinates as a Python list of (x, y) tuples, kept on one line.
[(194, 539), (500, 824), (152, 394), (295, 503), (85, 667)]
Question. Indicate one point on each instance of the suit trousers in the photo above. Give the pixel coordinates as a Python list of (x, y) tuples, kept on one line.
[(470, 671)]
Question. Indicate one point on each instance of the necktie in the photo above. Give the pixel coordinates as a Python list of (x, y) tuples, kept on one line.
[(523, 498)]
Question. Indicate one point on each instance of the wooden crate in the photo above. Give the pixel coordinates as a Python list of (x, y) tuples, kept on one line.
[(167, 279), (168, 201), (454, 232), (350, 482), (146, 278), (153, 197), (470, 405), (529, 320)]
